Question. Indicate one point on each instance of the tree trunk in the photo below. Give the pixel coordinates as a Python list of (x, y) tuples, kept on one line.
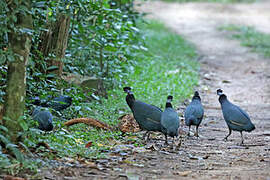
[(54, 41), (20, 44)]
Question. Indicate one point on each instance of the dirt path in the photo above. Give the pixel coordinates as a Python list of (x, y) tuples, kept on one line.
[(244, 77)]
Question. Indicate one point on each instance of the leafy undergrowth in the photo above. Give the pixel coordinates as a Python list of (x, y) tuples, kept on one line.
[(250, 37), (166, 67)]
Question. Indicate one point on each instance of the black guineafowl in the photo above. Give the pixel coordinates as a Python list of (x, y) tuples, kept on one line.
[(194, 113), (169, 120), (146, 115), (44, 119), (236, 118), (60, 103)]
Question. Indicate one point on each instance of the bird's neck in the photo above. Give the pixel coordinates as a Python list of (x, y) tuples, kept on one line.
[(130, 100), (196, 98), (223, 99), (168, 105)]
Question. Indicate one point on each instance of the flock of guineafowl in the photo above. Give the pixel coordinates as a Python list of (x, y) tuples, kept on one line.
[(152, 118)]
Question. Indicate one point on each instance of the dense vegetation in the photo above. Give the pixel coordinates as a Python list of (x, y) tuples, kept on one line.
[(108, 41)]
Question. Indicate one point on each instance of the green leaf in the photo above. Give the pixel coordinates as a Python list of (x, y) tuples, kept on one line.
[(52, 68), (23, 124), (39, 4), (3, 128), (19, 156), (51, 75)]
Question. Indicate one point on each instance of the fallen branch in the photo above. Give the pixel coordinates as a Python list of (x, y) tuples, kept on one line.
[(89, 121)]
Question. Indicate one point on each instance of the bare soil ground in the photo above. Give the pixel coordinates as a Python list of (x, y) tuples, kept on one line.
[(244, 77)]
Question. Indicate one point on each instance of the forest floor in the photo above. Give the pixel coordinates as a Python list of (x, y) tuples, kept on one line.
[(245, 78)]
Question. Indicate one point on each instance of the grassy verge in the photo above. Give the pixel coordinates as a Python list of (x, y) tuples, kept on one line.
[(167, 67), (258, 42)]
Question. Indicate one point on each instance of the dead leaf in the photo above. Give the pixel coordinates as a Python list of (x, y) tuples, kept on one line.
[(194, 157), (89, 144), (152, 147), (12, 178), (139, 150), (237, 147), (128, 123), (91, 164), (226, 81), (183, 173), (138, 165)]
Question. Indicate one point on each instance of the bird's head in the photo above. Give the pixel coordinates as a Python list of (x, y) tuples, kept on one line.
[(130, 97), (169, 98), (127, 90), (69, 99), (219, 92), (196, 96), (222, 97)]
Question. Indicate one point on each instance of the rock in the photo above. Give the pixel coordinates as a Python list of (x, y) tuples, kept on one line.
[(183, 173), (93, 84)]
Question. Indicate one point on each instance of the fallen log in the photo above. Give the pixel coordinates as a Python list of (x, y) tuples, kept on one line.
[(90, 121)]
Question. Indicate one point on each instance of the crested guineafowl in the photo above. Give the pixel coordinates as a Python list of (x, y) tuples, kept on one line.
[(58, 103), (236, 118), (44, 119), (194, 113), (147, 116), (169, 120)]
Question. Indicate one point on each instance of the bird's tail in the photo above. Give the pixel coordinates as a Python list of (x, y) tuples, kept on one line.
[(191, 120), (252, 127)]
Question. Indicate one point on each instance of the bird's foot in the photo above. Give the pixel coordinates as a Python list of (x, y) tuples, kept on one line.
[(225, 139), (166, 143), (241, 144), (196, 134)]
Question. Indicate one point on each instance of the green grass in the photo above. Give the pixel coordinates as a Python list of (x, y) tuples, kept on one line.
[(215, 1), (168, 67), (258, 42)]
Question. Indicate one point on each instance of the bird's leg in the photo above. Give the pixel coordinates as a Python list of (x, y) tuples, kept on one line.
[(179, 143), (145, 135), (196, 133), (166, 139), (230, 132), (242, 139), (188, 131), (148, 136)]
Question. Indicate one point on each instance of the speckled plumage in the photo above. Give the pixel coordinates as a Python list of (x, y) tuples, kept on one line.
[(147, 116), (236, 118), (169, 120), (44, 119), (194, 113), (60, 103)]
